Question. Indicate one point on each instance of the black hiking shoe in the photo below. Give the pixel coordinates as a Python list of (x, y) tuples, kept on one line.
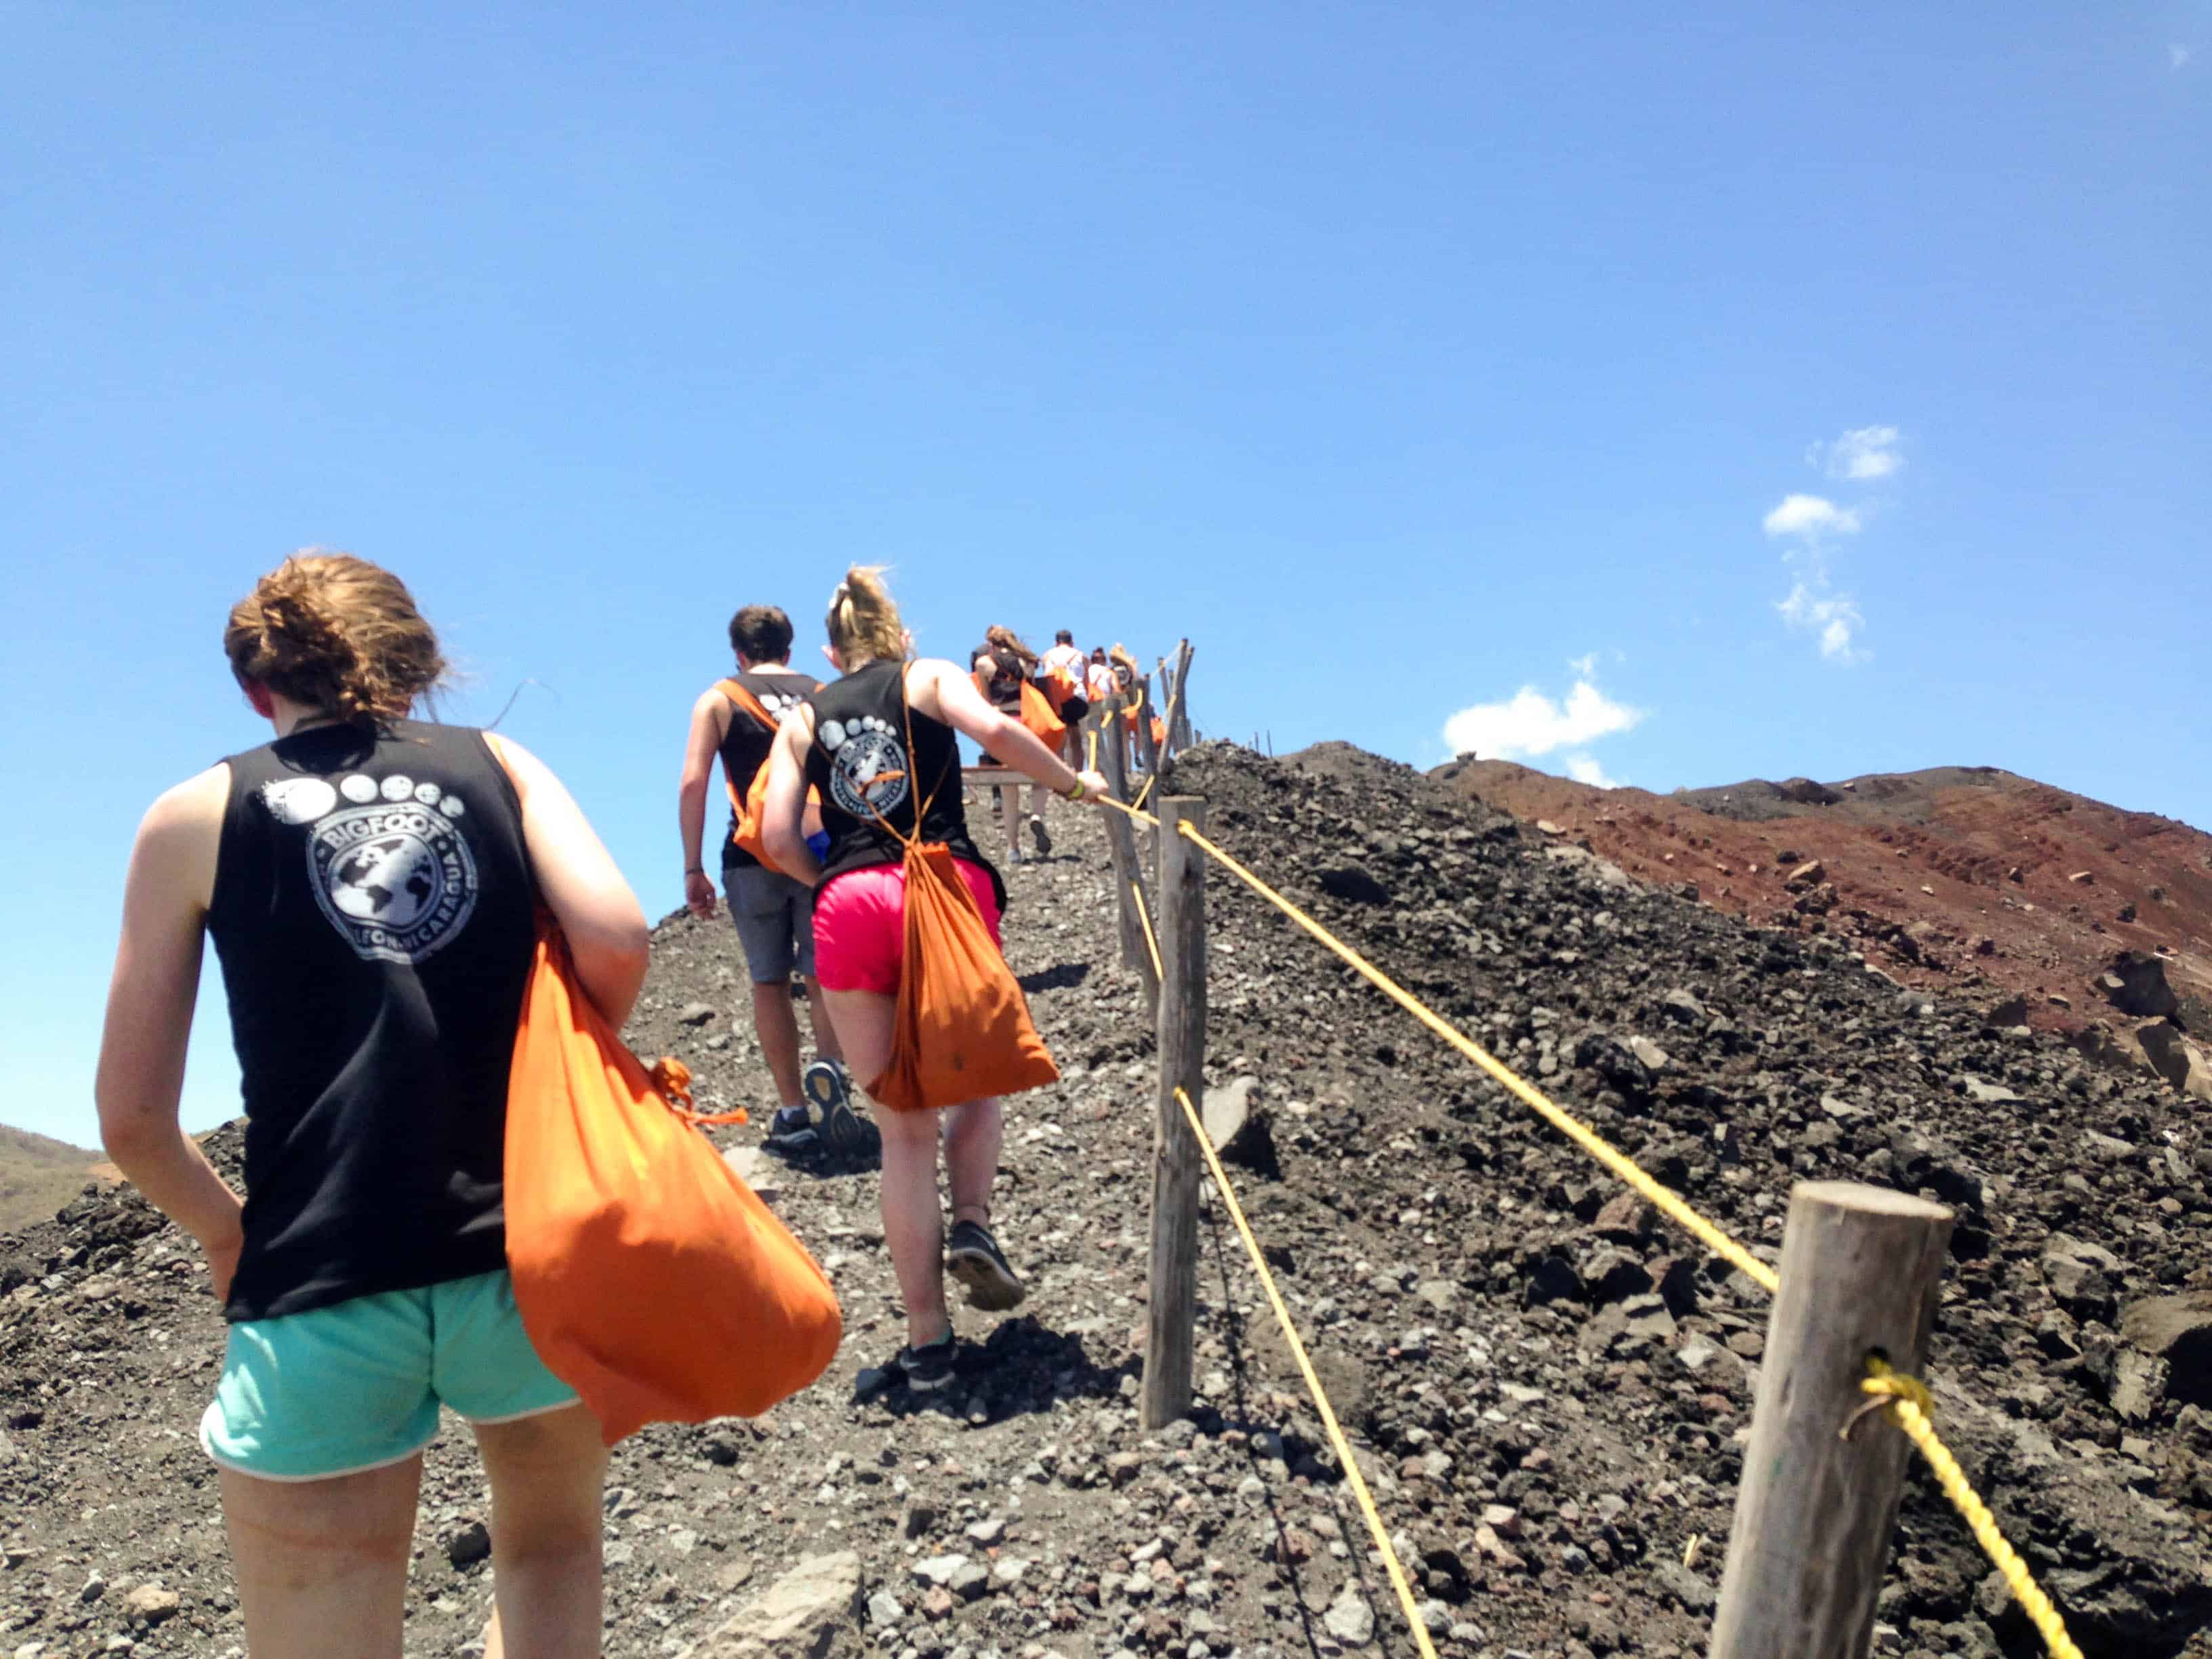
[(790, 1131), (973, 1257), (846, 1134), (1040, 835), (929, 1367)]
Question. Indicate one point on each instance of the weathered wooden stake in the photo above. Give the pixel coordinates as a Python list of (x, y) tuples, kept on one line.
[(1179, 728), (1122, 845), (1176, 1164), (1816, 1513), (1148, 748)]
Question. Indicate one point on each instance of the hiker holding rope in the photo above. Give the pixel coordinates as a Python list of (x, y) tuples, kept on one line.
[(880, 745), (1003, 668), (371, 884), (735, 721)]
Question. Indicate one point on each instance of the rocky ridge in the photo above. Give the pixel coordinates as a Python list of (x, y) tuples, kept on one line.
[(1547, 1391)]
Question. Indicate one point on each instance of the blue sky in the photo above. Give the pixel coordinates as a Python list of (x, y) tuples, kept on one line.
[(1671, 396)]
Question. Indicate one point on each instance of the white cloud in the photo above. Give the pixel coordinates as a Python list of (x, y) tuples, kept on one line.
[(1864, 451), (1834, 619), (2178, 54), (1533, 724), (1584, 768), (1585, 667), (1811, 517)]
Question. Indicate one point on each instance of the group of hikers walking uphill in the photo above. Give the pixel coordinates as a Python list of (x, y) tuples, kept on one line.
[(380, 891)]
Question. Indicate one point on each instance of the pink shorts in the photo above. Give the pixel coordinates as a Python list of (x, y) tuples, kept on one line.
[(859, 926)]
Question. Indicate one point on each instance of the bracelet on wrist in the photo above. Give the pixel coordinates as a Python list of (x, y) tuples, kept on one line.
[(695, 869)]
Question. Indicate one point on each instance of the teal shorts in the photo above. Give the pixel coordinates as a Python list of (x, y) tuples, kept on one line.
[(357, 1385)]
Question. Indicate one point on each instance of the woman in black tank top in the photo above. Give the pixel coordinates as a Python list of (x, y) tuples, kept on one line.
[(370, 883), (880, 745)]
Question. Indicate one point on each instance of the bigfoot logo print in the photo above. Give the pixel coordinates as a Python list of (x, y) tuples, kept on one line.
[(867, 766), (390, 866)]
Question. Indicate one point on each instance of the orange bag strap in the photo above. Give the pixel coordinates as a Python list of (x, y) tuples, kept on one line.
[(672, 1077), (921, 805), (751, 704)]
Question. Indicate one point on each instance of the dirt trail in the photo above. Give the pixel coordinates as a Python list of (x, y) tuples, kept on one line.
[(1548, 1391)]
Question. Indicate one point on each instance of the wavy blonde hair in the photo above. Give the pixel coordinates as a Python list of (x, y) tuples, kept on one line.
[(863, 623), (337, 633)]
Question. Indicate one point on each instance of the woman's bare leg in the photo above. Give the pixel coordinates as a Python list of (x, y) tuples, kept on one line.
[(322, 1565), (548, 1475), (912, 1220)]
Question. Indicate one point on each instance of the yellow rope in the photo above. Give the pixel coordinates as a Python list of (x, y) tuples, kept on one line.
[(1660, 1197), (1906, 1403), (1152, 943), (1907, 1399), (1313, 1383)]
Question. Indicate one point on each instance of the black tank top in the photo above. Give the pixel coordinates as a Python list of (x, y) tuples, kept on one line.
[(1002, 679), (746, 746), (857, 760), (373, 913)]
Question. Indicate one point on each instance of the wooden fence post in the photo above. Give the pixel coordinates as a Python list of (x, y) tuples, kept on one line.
[(1816, 1512), (1179, 728), (1148, 748), (1173, 1310), (1122, 845)]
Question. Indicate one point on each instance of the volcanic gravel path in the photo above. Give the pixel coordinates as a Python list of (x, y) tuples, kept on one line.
[(1548, 1392)]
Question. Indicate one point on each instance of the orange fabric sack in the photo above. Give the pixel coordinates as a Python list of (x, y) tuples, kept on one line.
[(1037, 715), (650, 1277), (961, 1030), (751, 809)]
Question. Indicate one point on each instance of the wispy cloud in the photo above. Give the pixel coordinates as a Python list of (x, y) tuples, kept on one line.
[(1530, 724), (1585, 666), (1861, 454), (1833, 617), (2178, 56), (1810, 517)]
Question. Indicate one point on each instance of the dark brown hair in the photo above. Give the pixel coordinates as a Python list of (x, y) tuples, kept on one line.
[(761, 633), (336, 634)]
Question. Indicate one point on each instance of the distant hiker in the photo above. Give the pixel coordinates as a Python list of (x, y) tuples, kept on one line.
[(1061, 672), (371, 884), (852, 744), (735, 721), (1002, 665), (1065, 656)]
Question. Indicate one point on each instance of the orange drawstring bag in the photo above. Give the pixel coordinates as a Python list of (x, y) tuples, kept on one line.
[(962, 1029), (651, 1279), (1045, 725), (751, 809)]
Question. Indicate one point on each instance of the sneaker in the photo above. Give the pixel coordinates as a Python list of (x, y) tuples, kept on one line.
[(973, 1257), (1040, 835), (831, 1088), (930, 1368), (790, 1131)]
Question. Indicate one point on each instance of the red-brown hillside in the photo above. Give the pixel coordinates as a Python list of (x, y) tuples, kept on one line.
[(1952, 872)]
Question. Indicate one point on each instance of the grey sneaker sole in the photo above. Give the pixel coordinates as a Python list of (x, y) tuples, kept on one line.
[(1041, 836), (989, 1287), (846, 1133)]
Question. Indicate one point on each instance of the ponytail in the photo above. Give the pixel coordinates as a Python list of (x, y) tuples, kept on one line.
[(863, 623)]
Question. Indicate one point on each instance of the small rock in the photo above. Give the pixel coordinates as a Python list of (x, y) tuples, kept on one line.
[(1681, 1583), (1349, 1619), (468, 1543), (152, 1603), (693, 1014), (799, 1615), (940, 1569)]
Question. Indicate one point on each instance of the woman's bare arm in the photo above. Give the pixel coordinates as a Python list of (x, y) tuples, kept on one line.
[(577, 877), (940, 690), (783, 811), (149, 1019)]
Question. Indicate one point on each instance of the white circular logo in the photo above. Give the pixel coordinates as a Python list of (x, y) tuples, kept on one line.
[(868, 771), (398, 881)]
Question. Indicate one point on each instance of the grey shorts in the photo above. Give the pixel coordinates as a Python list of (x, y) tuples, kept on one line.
[(775, 916)]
